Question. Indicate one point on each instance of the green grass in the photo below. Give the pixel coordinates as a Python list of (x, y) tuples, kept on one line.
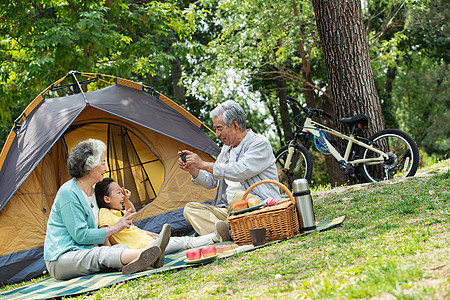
[(394, 244)]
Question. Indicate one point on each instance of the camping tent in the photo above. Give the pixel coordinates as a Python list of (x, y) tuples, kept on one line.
[(143, 131)]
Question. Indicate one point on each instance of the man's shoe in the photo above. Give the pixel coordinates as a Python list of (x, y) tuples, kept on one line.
[(143, 261), (162, 241), (222, 231)]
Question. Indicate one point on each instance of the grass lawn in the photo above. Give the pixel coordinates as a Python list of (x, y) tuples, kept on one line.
[(394, 244)]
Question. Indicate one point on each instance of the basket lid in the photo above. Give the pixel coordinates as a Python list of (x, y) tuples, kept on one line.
[(283, 204)]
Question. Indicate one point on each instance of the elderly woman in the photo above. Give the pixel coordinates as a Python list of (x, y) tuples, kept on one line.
[(71, 243)]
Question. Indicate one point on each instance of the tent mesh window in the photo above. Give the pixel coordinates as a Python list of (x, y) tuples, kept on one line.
[(126, 167)]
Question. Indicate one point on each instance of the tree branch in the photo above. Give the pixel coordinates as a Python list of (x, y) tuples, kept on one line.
[(282, 74), (388, 26)]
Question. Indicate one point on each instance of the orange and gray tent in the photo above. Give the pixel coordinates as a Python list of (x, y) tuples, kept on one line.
[(143, 131)]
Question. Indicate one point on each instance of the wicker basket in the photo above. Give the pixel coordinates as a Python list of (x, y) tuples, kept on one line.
[(280, 220)]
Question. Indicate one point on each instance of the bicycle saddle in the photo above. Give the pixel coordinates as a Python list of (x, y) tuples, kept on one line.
[(359, 118)]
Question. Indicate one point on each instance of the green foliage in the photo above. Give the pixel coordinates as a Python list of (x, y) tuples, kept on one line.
[(252, 53), (428, 29), (41, 41), (422, 103), (410, 63)]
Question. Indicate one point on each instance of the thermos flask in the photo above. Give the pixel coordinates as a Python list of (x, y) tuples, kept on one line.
[(304, 204)]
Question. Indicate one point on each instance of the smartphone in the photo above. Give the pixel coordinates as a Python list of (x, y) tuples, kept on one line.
[(183, 156)]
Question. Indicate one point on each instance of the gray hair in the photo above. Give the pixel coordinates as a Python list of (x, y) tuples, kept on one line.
[(84, 157), (230, 111)]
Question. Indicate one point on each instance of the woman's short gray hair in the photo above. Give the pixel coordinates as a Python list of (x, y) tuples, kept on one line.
[(84, 157), (230, 111)]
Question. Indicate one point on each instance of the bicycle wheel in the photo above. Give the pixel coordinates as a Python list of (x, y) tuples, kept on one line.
[(301, 165), (402, 152)]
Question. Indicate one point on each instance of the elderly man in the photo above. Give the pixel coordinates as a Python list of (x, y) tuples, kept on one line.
[(245, 159)]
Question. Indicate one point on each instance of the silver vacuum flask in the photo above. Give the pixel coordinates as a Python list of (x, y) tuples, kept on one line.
[(304, 204)]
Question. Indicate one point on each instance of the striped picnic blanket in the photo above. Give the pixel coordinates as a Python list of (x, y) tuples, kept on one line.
[(52, 288)]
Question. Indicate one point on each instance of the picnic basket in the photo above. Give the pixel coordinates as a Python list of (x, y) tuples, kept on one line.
[(280, 220)]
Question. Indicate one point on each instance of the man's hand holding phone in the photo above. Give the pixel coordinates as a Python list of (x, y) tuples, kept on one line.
[(183, 156)]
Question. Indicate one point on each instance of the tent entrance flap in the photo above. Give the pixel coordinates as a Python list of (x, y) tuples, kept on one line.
[(129, 169)]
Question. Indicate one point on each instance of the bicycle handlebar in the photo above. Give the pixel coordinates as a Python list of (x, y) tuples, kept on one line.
[(309, 111), (327, 115)]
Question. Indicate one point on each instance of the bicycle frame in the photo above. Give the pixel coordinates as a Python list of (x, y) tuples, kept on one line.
[(313, 127), (389, 153)]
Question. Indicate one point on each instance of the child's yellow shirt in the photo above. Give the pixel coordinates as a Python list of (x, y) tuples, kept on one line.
[(133, 237)]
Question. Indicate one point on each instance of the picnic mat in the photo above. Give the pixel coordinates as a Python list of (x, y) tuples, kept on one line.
[(51, 288)]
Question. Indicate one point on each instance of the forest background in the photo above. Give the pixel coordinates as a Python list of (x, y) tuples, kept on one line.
[(257, 52)]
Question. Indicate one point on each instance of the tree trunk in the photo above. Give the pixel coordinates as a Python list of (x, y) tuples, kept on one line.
[(308, 92), (346, 54), (272, 110), (390, 77), (335, 178), (179, 91), (386, 98), (284, 111)]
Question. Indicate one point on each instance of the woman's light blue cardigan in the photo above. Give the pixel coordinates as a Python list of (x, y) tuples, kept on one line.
[(71, 225)]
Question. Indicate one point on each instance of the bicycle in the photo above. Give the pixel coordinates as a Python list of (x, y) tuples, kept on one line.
[(388, 154)]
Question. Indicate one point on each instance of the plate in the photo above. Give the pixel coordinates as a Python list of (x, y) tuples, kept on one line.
[(248, 209), (200, 260)]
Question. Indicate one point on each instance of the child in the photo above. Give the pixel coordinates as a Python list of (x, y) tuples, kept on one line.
[(111, 198)]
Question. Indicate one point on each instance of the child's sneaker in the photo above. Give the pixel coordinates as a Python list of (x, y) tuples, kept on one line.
[(162, 241), (143, 261)]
